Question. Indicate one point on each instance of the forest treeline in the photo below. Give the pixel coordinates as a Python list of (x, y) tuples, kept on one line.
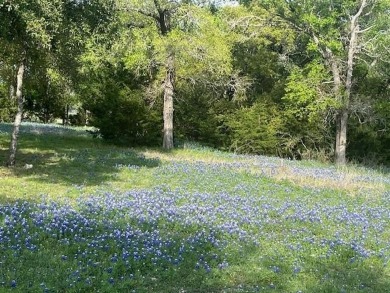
[(301, 79)]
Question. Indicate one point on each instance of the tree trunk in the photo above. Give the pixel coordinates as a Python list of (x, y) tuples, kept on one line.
[(341, 116), (65, 120), (341, 137), (18, 117), (168, 104)]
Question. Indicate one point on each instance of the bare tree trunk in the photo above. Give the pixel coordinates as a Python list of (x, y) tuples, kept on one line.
[(12, 99), (342, 115), (341, 137), (18, 117), (168, 104), (65, 120), (86, 118), (338, 85)]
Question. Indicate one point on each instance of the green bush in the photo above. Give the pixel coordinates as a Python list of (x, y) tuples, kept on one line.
[(197, 117), (368, 145), (122, 116), (255, 129), (7, 107)]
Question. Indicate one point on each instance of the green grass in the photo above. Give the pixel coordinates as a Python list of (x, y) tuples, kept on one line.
[(281, 226)]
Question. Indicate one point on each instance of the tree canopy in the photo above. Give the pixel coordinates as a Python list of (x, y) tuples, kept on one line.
[(298, 79)]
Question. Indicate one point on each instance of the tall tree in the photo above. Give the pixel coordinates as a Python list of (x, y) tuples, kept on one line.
[(176, 42), (42, 39), (161, 13), (334, 31), (14, 36), (28, 30)]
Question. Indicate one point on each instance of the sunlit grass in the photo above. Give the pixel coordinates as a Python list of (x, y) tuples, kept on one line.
[(351, 179), (90, 217)]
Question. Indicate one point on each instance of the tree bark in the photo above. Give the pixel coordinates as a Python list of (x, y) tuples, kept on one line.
[(162, 16), (342, 115), (341, 137), (65, 120), (18, 116), (342, 112), (168, 104)]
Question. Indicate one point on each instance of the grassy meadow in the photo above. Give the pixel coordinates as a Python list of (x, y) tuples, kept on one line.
[(92, 217)]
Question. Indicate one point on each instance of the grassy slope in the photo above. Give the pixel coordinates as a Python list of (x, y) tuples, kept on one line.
[(310, 239)]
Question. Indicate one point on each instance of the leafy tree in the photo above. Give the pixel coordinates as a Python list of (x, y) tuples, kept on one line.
[(13, 37), (334, 35), (118, 108), (112, 93), (41, 39), (27, 30), (176, 44), (259, 47)]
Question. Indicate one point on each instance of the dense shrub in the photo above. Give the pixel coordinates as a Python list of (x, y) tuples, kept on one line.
[(368, 145), (198, 117), (255, 129), (7, 107), (122, 116)]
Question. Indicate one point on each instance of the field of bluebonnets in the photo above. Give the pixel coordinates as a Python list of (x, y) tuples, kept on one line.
[(84, 216)]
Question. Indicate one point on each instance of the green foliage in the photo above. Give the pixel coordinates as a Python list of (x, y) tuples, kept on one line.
[(198, 39), (272, 129), (307, 114), (307, 94), (370, 137), (204, 51), (368, 145), (119, 110), (259, 49), (200, 119), (234, 66), (48, 93), (7, 106), (199, 43), (306, 137), (255, 129), (123, 117)]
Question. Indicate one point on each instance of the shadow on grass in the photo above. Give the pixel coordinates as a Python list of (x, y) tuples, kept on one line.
[(256, 270), (342, 273), (65, 268), (103, 247), (84, 252), (71, 160)]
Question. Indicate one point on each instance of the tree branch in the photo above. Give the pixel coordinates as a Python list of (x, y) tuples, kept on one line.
[(148, 14), (143, 12), (352, 48), (158, 6), (364, 30)]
